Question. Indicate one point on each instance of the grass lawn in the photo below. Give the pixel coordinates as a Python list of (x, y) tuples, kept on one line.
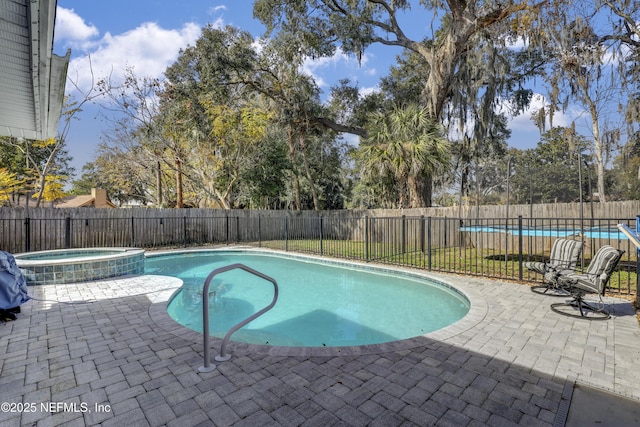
[(461, 260)]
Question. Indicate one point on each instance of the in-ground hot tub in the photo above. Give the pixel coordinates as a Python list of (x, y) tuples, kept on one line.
[(79, 265)]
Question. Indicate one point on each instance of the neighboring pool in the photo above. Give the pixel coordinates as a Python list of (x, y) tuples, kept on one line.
[(604, 233), (321, 304), (589, 233), (537, 232)]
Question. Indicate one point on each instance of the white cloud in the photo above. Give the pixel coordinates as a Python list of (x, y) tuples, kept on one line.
[(523, 122), (148, 49), (217, 10), (214, 9), (71, 27), (364, 91), (318, 66)]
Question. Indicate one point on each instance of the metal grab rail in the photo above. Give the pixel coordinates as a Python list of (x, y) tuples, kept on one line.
[(208, 366)]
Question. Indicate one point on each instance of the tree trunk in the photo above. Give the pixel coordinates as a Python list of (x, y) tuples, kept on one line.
[(222, 199), (296, 190), (43, 182), (159, 184), (402, 198), (307, 169), (599, 152), (425, 190), (179, 193), (442, 63), (414, 192), (296, 182), (444, 54)]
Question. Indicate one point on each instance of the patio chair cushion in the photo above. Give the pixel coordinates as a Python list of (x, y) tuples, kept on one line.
[(595, 279), (564, 255)]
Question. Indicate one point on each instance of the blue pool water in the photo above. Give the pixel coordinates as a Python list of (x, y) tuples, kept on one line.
[(605, 233), (589, 233), (319, 304), (536, 232)]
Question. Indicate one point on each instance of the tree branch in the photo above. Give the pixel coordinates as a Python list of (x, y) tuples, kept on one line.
[(326, 122)]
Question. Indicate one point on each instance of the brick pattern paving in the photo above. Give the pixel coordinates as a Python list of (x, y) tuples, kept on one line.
[(97, 345)]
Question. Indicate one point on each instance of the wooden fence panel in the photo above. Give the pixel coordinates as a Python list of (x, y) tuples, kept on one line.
[(51, 228)]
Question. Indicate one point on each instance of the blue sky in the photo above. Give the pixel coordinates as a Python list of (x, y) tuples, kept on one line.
[(148, 34)]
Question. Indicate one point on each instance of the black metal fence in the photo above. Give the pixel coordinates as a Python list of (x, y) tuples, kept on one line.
[(495, 248)]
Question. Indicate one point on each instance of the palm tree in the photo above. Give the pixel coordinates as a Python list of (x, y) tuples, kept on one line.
[(407, 144)]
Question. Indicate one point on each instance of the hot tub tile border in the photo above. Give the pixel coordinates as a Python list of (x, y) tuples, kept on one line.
[(86, 270)]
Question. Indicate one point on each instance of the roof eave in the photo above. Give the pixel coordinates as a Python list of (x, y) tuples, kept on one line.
[(48, 75), (49, 70)]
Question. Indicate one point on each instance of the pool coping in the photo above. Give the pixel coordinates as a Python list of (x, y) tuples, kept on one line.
[(109, 253), (477, 312)]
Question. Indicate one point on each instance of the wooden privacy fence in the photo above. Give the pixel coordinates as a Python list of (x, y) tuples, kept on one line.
[(491, 247)]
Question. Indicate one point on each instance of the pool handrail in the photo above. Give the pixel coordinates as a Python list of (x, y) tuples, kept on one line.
[(630, 234), (208, 366)]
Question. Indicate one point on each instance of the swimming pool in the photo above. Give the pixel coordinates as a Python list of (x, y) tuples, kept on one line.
[(321, 304), (604, 233), (588, 233), (537, 232)]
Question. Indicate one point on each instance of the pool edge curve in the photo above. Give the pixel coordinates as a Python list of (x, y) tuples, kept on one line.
[(477, 311)]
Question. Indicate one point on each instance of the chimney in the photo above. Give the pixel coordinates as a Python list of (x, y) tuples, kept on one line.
[(99, 197)]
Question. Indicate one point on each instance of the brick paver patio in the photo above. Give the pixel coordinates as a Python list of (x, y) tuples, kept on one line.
[(104, 353)]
